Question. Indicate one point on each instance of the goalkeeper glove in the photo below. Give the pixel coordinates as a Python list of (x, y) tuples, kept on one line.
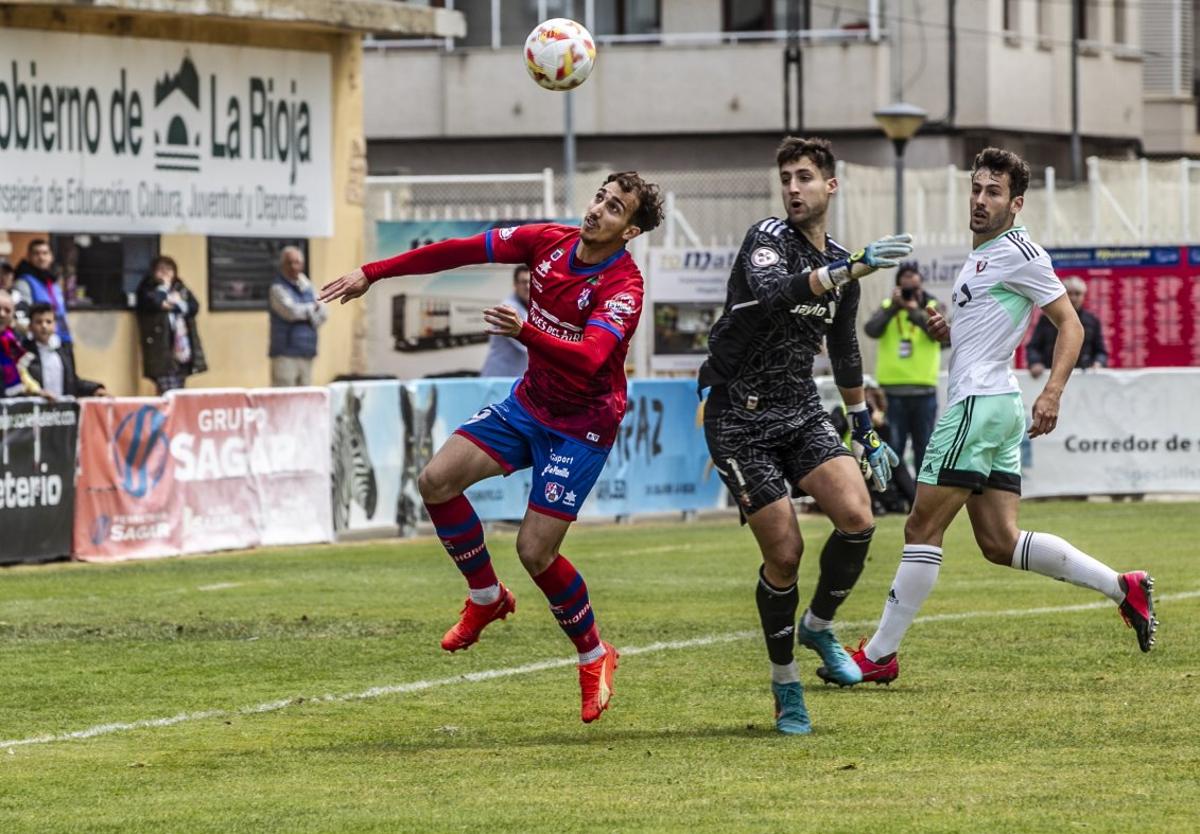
[(878, 459), (881, 254), (885, 252)]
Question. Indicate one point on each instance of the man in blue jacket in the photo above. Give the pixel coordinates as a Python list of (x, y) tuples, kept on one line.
[(295, 317), (38, 284)]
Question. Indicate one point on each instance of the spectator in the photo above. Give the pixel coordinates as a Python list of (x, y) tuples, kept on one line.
[(166, 313), (506, 356), (36, 283), (52, 367), (908, 362), (1092, 354), (295, 317), (14, 359)]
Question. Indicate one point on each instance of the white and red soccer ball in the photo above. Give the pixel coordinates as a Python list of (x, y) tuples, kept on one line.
[(559, 54)]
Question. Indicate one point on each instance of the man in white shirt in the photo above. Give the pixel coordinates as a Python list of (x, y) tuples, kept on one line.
[(973, 457)]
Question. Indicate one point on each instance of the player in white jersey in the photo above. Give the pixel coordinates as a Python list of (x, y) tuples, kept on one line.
[(974, 455)]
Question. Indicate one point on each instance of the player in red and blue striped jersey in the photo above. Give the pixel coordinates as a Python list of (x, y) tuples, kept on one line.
[(561, 418)]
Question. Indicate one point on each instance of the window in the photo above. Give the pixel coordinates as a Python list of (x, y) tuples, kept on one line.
[(241, 270), (1120, 28), (1087, 19), (748, 15), (518, 17), (102, 272), (1043, 20), (479, 22), (627, 17), (1010, 20)]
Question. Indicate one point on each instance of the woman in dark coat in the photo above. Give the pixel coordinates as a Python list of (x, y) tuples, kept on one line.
[(166, 313)]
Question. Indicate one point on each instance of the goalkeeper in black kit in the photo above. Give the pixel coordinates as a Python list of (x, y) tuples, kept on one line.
[(793, 289)]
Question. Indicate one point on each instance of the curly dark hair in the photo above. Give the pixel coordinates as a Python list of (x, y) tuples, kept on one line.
[(1000, 161), (649, 212), (820, 151)]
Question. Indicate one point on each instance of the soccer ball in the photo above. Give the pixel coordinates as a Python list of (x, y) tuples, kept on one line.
[(560, 54)]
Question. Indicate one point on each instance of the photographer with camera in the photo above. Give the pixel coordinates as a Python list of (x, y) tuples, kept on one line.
[(908, 362)]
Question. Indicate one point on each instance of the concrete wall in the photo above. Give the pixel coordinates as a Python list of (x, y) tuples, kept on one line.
[(1003, 83), (235, 342)]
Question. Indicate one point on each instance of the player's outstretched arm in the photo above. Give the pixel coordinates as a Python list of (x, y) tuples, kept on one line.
[(347, 288), (435, 257)]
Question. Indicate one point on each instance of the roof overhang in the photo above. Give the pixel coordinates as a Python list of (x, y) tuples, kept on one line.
[(384, 16)]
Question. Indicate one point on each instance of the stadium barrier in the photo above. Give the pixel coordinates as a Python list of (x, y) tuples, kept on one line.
[(1119, 433), (37, 478), (211, 470), (385, 432), (202, 470)]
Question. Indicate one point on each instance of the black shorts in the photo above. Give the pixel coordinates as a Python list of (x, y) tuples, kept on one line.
[(759, 455)]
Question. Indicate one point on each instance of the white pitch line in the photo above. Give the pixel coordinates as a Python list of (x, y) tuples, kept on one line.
[(529, 668), (219, 586)]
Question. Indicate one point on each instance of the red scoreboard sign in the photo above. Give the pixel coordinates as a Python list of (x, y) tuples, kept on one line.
[(1147, 298)]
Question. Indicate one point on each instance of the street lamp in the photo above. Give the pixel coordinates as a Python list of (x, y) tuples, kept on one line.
[(900, 122)]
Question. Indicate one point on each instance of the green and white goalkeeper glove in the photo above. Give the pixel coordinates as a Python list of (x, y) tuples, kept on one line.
[(878, 459), (884, 253)]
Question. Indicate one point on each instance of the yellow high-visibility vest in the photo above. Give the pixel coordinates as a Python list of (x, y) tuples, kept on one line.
[(919, 363)]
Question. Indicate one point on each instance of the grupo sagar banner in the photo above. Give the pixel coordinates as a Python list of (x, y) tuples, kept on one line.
[(201, 471)]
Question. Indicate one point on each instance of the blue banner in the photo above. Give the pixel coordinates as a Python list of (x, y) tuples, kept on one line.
[(659, 461), (386, 432)]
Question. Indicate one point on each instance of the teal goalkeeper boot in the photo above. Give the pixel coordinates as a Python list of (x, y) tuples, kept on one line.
[(791, 717), (839, 667)]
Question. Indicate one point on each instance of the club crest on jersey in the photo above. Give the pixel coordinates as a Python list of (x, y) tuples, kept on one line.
[(980, 266), (554, 491), (585, 297), (764, 256), (507, 232)]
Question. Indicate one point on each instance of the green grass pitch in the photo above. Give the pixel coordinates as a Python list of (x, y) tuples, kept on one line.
[(303, 690)]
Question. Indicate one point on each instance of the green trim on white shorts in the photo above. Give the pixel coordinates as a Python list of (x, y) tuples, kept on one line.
[(976, 445)]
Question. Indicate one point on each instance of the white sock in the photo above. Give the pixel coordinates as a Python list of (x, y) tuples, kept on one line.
[(589, 656), (1047, 554), (484, 596), (914, 580), (785, 674), (814, 623)]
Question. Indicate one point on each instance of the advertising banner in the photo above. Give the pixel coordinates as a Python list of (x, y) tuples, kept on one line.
[(422, 325), (660, 461), (687, 293), (1119, 432), (37, 478), (132, 134), (1147, 299), (203, 470), (367, 454), (432, 410)]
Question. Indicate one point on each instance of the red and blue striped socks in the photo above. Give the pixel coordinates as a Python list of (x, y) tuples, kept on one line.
[(461, 533), (569, 603)]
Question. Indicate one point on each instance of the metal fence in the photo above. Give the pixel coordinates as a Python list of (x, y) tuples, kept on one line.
[(1125, 202)]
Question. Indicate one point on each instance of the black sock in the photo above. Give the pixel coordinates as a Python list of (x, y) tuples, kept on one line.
[(777, 611), (842, 561)]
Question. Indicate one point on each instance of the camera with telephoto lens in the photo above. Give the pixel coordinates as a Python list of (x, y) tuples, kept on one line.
[(908, 293)]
